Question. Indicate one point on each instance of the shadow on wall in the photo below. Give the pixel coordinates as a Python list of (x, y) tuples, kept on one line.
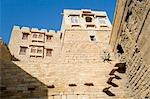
[(15, 83)]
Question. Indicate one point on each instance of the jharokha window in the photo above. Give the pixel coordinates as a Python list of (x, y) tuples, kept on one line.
[(23, 50), (25, 36), (49, 52), (48, 38)]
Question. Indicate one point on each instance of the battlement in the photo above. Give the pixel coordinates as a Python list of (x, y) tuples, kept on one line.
[(29, 30), (96, 13)]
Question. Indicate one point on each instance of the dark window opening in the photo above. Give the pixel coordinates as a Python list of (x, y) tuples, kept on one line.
[(32, 56), (89, 84), (120, 49), (38, 56), (49, 52), (25, 36), (88, 19), (50, 86), (23, 50), (92, 37), (48, 38), (72, 85)]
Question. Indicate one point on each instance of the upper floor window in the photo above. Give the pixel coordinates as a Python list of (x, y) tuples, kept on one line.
[(23, 50), (102, 20), (48, 38), (34, 35), (40, 36), (74, 19), (39, 50), (25, 36), (49, 52), (88, 19), (33, 50)]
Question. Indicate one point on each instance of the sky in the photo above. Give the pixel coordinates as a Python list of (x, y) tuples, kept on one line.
[(44, 14)]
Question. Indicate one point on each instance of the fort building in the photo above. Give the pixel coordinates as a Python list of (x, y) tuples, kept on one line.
[(88, 58)]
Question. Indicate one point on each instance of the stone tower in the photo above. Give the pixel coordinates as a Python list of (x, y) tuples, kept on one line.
[(85, 35)]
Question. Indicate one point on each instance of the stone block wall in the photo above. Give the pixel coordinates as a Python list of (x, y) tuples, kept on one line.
[(15, 83), (49, 40), (130, 42)]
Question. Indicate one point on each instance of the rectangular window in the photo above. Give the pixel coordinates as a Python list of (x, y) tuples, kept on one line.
[(25, 36), (40, 36), (34, 35), (23, 50), (102, 20), (33, 50), (39, 51), (88, 19), (48, 38), (74, 19), (49, 52)]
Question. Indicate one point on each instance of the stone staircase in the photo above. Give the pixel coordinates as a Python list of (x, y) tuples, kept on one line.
[(61, 75)]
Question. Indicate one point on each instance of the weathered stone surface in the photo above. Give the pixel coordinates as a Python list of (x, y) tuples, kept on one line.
[(132, 33)]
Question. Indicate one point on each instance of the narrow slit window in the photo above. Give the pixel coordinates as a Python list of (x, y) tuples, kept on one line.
[(92, 37)]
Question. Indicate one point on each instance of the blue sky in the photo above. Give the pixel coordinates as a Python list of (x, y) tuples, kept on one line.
[(44, 13)]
